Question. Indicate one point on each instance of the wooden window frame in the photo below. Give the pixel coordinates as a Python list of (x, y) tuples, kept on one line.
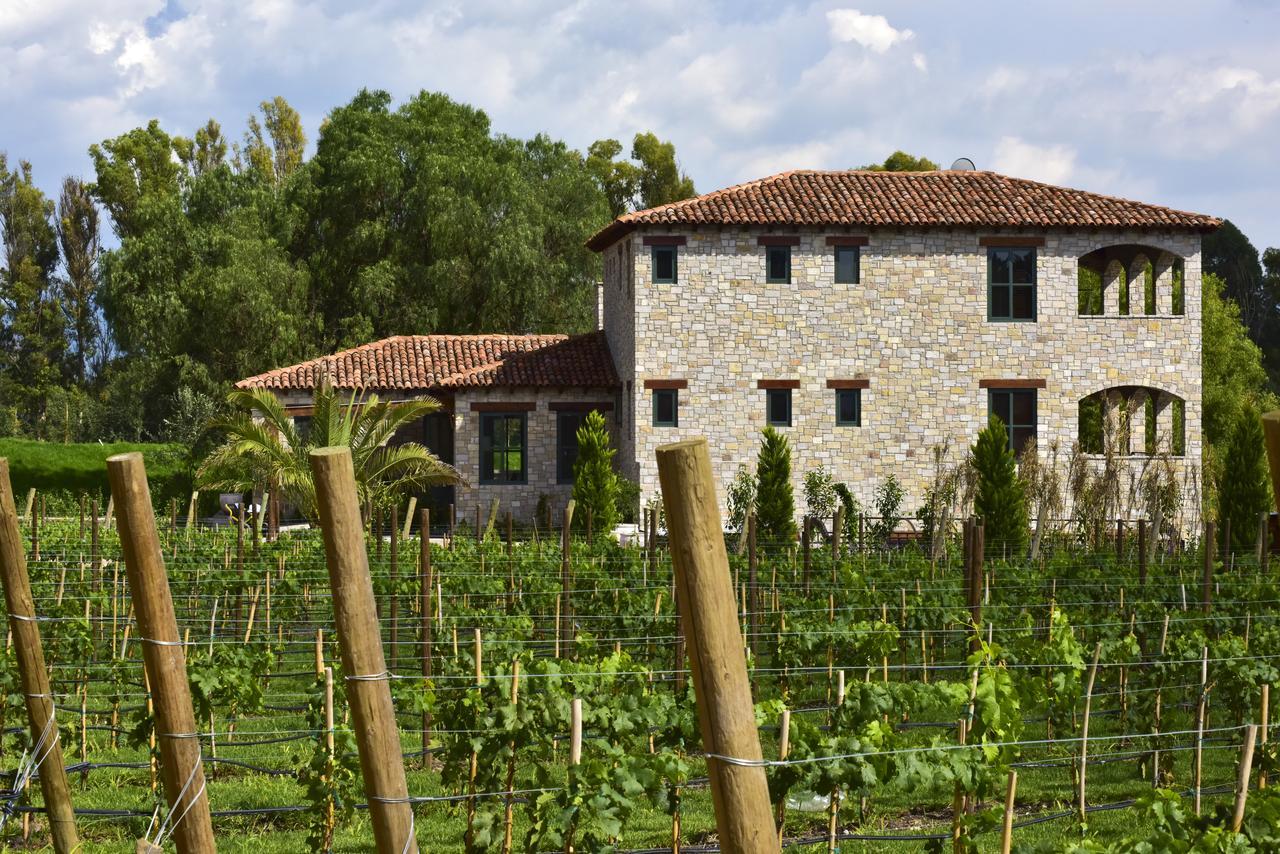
[(1010, 285), (658, 393), (487, 452)]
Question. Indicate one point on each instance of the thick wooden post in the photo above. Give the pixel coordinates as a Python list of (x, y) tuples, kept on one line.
[(34, 676), (363, 664), (739, 791), (1242, 779), (164, 656)]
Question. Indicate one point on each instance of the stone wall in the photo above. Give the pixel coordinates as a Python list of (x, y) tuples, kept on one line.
[(915, 327), (520, 499)]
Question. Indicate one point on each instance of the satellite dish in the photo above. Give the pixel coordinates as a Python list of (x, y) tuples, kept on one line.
[(964, 164)]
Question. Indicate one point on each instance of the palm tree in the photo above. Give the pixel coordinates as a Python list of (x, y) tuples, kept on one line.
[(264, 446)]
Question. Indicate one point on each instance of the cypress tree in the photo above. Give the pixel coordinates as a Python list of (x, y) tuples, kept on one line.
[(1243, 493), (775, 502), (595, 483), (1001, 499)]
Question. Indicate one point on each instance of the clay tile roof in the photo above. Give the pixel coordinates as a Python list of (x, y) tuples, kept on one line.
[(939, 199), (419, 362)]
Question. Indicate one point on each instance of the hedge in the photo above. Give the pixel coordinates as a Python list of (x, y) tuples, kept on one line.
[(73, 469)]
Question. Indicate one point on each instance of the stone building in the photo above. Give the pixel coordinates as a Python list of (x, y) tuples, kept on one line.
[(873, 317)]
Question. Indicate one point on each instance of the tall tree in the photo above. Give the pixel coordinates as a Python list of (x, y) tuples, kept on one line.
[(33, 338), (1243, 492), (80, 242), (661, 180), (900, 161), (1000, 498), (618, 179), (1231, 364), (775, 498), (288, 141)]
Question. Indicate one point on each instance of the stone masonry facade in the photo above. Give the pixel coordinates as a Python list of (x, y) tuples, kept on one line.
[(915, 328)]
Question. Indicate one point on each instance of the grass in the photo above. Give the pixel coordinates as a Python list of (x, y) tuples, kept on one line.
[(81, 467)]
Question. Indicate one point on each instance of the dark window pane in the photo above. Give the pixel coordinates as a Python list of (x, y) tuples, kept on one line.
[(1001, 266), (848, 406), (778, 406), (567, 424), (1022, 435), (1000, 301), (502, 440), (1023, 262), (846, 265), (778, 263), (664, 263), (1024, 409), (665, 408), (1024, 305)]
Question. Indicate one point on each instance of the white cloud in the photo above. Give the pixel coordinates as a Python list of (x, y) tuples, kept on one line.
[(920, 62), (1053, 164), (873, 32)]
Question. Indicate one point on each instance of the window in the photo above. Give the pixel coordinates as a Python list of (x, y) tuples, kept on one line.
[(567, 424), (666, 407), (778, 407), (502, 448), (302, 426), (847, 258), (777, 265), (1011, 283), (1017, 409), (1178, 442), (849, 407), (664, 265)]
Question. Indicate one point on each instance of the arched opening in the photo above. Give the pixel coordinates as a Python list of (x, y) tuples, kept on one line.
[(1130, 279), (1132, 420)]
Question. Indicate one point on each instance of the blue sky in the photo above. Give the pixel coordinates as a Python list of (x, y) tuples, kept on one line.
[(1175, 103)]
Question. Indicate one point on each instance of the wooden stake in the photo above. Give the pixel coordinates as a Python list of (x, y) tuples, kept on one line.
[(1006, 829), (32, 672), (164, 656), (1200, 714), (1242, 779), (739, 793), (1206, 583), (424, 594), (1084, 731), (364, 666), (408, 517), (511, 763), (784, 750), (1265, 716)]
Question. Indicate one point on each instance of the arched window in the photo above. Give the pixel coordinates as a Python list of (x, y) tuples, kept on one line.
[(1130, 279), (1132, 420)]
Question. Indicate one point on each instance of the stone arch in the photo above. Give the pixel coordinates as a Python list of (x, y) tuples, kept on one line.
[(1132, 420), (1130, 279)]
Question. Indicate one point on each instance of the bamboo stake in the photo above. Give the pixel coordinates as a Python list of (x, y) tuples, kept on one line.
[(355, 617), (739, 793), (33, 674), (164, 656)]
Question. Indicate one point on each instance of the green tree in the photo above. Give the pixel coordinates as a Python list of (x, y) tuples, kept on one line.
[(263, 446), (1243, 492), (661, 180), (900, 161), (595, 483), (775, 500), (80, 241), (619, 180), (31, 325), (1000, 498), (1233, 374)]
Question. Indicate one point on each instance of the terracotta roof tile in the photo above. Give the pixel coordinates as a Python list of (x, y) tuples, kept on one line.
[(940, 199), (414, 362)]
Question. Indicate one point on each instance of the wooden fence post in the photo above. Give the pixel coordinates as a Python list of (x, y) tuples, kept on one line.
[(739, 792), (363, 664), (164, 656), (34, 676)]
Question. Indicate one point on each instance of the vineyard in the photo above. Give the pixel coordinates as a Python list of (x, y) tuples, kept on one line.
[(1095, 698)]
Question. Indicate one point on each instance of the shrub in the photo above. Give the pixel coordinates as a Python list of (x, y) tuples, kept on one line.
[(1001, 499), (595, 484), (852, 511), (82, 468), (628, 500), (1243, 494), (775, 501), (740, 499), (889, 509), (819, 492)]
